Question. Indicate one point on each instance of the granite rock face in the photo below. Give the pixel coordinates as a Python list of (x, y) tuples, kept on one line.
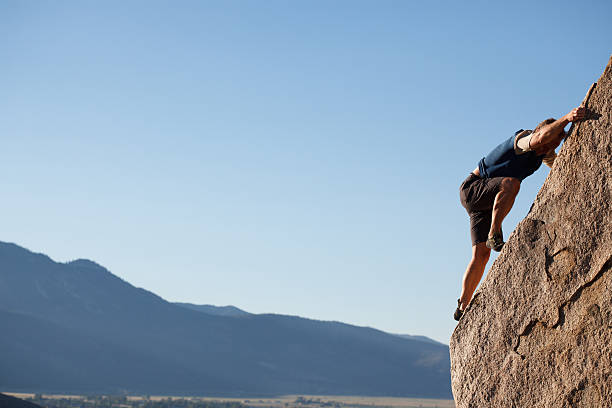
[(539, 331)]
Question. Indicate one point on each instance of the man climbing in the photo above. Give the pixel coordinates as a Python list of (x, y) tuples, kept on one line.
[(488, 193)]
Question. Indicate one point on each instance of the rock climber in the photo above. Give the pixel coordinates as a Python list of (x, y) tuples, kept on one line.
[(489, 191)]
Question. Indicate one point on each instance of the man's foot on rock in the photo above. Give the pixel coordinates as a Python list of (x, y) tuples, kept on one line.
[(495, 241), (458, 312)]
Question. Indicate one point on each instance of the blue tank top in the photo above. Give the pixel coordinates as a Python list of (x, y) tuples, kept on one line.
[(504, 162)]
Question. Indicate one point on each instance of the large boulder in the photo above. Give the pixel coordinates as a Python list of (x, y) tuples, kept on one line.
[(539, 331)]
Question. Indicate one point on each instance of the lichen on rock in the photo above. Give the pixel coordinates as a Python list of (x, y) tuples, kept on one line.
[(538, 333)]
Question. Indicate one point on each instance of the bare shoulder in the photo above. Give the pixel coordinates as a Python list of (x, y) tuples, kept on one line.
[(522, 142)]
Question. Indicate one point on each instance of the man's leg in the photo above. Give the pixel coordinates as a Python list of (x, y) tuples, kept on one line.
[(473, 273), (477, 196), (504, 200)]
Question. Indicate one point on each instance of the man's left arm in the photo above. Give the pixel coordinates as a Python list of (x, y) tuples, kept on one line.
[(553, 133)]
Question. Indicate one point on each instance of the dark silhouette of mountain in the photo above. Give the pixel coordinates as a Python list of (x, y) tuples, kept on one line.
[(76, 327), (6, 401), (215, 310)]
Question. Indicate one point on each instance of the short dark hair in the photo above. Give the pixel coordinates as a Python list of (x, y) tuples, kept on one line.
[(544, 123)]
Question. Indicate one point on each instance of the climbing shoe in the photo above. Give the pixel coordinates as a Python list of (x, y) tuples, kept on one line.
[(458, 312), (495, 242)]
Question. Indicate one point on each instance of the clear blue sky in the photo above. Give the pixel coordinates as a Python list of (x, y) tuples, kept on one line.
[(295, 157)]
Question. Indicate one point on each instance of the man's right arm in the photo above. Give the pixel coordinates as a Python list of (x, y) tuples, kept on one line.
[(553, 133)]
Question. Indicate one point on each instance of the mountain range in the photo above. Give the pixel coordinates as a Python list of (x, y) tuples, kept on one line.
[(76, 328)]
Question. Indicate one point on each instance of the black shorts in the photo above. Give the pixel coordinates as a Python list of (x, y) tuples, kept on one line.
[(477, 196)]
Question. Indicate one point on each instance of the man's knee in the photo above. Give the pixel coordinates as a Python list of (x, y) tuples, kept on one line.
[(510, 185)]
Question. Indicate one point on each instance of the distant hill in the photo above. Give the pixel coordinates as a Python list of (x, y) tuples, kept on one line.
[(76, 327), (234, 311), (215, 310), (420, 338)]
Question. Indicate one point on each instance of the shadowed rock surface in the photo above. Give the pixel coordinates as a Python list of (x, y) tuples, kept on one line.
[(6, 401), (539, 331)]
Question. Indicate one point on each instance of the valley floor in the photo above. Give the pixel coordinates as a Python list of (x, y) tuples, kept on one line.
[(286, 401)]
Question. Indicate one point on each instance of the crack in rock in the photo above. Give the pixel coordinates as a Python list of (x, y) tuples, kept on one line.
[(561, 310)]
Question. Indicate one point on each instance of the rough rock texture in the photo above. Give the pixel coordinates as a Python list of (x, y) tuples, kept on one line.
[(539, 331)]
